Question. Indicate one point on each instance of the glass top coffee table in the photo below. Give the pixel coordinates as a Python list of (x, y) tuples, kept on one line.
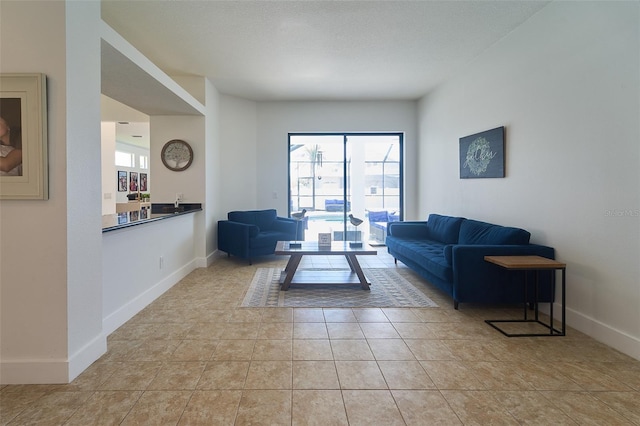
[(291, 275)]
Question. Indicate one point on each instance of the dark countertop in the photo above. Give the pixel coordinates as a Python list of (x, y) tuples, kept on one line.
[(160, 211)]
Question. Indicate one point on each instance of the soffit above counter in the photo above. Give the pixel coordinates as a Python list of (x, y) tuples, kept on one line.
[(130, 78)]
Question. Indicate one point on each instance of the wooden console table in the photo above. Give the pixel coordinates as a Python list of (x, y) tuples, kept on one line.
[(537, 264)]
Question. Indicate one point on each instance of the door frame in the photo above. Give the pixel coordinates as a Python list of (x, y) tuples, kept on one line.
[(345, 136)]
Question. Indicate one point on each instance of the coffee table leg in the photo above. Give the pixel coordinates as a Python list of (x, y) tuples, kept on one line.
[(355, 267), (290, 270)]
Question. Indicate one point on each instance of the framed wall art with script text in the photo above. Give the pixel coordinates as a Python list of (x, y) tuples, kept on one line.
[(482, 155)]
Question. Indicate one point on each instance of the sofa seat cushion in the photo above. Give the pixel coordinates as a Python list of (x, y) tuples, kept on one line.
[(429, 254), (476, 232)]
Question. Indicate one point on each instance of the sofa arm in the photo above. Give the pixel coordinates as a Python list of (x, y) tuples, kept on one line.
[(233, 237), (238, 228), (471, 273), (415, 229)]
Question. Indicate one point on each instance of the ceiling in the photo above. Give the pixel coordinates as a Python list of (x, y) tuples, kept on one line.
[(133, 133), (316, 50)]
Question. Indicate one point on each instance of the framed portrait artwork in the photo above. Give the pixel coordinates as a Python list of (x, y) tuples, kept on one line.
[(122, 181), (133, 181), (482, 155), (143, 181), (23, 137)]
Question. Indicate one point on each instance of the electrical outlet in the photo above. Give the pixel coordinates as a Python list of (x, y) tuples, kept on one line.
[(179, 196), (161, 262)]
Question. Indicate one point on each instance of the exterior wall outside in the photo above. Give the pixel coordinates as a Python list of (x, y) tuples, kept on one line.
[(566, 86)]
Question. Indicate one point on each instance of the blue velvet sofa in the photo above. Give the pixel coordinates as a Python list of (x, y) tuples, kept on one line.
[(252, 233), (449, 253)]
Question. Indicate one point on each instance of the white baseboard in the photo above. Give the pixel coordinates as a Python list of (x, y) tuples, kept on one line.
[(86, 356), (34, 371), (55, 371), (49, 371), (617, 339), (201, 262), (129, 310), (216, 254)]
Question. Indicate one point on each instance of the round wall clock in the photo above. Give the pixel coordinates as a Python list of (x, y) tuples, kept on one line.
[(176, 155)]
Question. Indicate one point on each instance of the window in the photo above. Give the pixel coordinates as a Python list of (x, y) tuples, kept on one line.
[(125, 159), (333, 175), (144, 162)]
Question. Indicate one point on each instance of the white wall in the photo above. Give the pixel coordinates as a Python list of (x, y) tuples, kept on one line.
[(566, 86), (109, 183), (112, 110), (35, 298), (215, 180), (50, 314), (133, 274), (191, 183), (277, 119), (239, 168), (84, 189), (168, 183)]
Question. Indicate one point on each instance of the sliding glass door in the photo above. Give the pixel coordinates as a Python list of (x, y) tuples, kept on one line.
[(332, 176)]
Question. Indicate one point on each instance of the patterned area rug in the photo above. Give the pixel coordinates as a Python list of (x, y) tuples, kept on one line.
[(388, 290)]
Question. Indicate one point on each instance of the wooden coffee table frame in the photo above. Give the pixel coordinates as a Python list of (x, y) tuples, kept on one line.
[(291, 275)]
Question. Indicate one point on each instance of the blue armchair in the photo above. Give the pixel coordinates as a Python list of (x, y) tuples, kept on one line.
[(252, 233)]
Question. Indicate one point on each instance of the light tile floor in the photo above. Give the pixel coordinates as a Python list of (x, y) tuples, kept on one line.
[(193, 358)]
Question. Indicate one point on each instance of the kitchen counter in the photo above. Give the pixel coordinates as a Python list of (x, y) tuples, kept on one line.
[(159, 211)]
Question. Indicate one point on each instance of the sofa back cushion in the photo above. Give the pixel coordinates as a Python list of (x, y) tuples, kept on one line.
[(476, 232), (263, 219), (444, 229)]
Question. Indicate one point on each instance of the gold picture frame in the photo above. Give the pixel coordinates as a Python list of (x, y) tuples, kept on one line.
[(23, 129)]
